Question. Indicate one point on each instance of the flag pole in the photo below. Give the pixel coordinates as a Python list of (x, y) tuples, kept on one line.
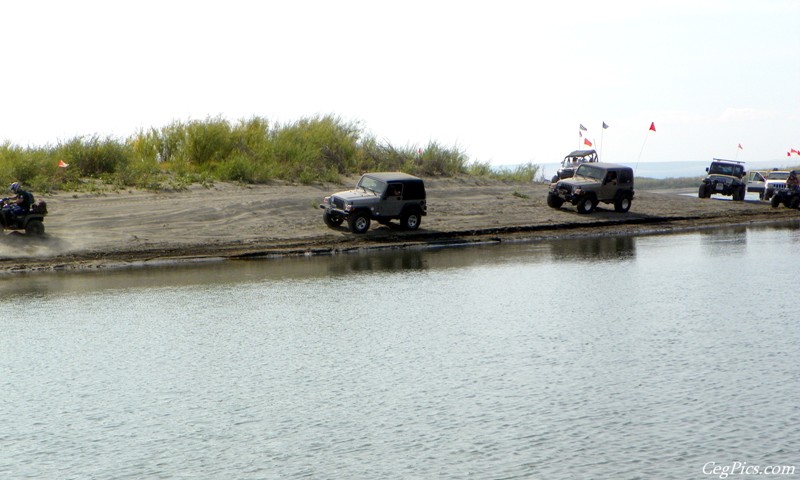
[(652, 129), (602, 131)]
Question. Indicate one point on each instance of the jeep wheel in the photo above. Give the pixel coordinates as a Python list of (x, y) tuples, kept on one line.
[(554, 201), (586, 204), (359, 222), (332, 221), (794, 202), (738, 193), (622, 203), (34, 227), (776, 200), (703, 192), (411, 220)]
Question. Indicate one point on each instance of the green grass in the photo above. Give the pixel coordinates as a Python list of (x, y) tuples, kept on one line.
[(314, 149)]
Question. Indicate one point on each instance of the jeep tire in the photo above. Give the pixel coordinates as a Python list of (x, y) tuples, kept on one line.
[(794, 202), (775, 201), (411, 219), (623, 203), (703, 192), (358, 222), (586, 204), (332, 221), (554, 201)]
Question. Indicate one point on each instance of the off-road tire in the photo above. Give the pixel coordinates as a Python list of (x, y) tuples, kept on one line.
[(703, 192), (775, 201), (794, 202), (586, 204), (34, 227), (623, 203), (554, 201), (358, 222), (332, 221), (411, 220)]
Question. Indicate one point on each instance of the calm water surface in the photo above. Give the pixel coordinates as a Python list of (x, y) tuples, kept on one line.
[(632, 357)]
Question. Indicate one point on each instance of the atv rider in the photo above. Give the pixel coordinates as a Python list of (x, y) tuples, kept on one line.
[(792, 182), (20, 204)]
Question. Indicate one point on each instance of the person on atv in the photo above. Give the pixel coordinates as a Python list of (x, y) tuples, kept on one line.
[(20, 204), (792, 182)]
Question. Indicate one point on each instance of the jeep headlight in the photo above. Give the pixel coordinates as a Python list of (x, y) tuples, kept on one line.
[(326, 200), (578, 191), (348, 207)]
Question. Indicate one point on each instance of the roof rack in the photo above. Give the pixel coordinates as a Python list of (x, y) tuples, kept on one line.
[(724, 160)]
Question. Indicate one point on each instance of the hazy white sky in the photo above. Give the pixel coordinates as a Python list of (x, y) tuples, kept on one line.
[(506, 81)]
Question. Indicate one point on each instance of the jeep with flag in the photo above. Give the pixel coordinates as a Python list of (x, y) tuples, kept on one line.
[(594, 183), (725, 177)]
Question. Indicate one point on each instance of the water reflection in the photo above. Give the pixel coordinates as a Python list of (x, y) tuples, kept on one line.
[(594, 249), (712, 241)]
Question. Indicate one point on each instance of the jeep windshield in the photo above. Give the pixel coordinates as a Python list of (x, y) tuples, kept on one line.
[(725, 169), (590, 171), (372, 185)]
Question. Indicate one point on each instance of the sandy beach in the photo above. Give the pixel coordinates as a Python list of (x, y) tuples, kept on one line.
[(130, 227)]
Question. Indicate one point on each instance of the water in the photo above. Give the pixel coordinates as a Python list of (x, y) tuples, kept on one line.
[(628, 357)]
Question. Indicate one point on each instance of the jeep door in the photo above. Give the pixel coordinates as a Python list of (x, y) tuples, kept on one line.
[(608, 187), (392, 202), (756, 182)]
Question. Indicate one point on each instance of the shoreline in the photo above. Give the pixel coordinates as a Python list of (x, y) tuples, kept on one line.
[(99, 261), (136, 229)]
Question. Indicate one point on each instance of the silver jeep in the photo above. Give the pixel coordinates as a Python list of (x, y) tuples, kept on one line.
[(381, 196), (594, 183)]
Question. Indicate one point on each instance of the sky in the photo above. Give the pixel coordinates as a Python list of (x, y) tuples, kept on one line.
[(506, 82)]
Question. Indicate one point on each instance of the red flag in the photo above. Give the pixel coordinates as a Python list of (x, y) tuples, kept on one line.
[(788, 154), (794, 151), (61, 164), (587, 142), (653, 126)]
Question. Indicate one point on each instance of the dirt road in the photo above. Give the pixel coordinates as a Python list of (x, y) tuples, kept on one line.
[(232, 221)]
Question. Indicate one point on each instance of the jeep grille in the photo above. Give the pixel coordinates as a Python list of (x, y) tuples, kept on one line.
[(337, 203)]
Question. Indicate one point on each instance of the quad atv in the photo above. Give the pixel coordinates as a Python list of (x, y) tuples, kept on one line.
[(32, 222), (789, 197)]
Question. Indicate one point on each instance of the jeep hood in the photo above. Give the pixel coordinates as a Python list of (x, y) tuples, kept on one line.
[(578, 181), (716, 177), (354, 195)]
